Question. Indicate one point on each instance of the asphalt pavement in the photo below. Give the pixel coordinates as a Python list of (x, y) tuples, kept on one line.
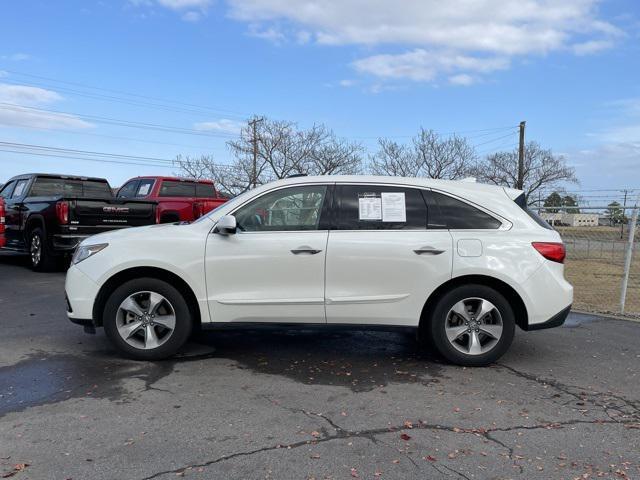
[(268, 403)]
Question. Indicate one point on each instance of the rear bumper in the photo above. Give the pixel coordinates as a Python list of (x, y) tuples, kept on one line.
[(67, 242), (556, 321)]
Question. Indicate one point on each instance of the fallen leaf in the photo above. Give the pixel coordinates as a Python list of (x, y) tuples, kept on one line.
[(408, 424), (405, 437), (354, 473), (430, 458), (17, 468)]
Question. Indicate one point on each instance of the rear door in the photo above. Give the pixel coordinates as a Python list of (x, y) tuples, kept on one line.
[(382, 260)]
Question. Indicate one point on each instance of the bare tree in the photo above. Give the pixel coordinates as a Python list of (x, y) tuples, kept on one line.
[(428, 155), (542, 169), (280, 149)]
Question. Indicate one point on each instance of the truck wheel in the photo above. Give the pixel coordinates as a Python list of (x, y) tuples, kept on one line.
[(472, 325), (41, 258), (147, 319)]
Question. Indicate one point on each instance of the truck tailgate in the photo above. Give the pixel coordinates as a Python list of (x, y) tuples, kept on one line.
[(114, 213)]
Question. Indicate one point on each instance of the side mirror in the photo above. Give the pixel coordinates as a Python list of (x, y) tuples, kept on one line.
[(226, 225)]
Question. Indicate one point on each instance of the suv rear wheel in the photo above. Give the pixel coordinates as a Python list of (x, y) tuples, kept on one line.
[(472, 325), (147, 319)]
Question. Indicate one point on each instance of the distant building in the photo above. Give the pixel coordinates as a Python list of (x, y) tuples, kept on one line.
[(571, 219)]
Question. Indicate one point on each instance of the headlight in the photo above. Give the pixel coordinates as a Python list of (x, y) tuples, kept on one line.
[(85, 251)]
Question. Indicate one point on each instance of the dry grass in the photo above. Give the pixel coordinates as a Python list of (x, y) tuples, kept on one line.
[(596, 284)]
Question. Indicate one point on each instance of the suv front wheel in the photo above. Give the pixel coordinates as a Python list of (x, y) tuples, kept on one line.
[(472, 325), (147, 319)]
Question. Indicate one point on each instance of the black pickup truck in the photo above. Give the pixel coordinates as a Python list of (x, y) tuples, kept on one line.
[(48, 215)]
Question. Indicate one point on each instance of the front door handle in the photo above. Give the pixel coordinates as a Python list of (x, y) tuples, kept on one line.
[(428, 251), (305, 249)]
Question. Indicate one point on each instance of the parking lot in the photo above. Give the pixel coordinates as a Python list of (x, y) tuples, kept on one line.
[(298, 404)]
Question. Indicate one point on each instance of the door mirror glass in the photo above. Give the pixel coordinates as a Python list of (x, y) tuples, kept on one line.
[(226, 225)]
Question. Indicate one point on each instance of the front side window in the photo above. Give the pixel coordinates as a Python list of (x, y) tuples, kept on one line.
[(128, 190), (7, 189), (380, 207), (293, 208), (172, 188), (458, 215)]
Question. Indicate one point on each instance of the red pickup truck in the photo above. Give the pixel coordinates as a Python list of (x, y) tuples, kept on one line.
[(177, 199)]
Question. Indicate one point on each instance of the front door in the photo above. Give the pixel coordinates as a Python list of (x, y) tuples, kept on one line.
[(272, 268), (382, 260)]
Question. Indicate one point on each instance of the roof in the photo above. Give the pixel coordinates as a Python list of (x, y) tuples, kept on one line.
[(448, 185), (173, 179), (58, 175)]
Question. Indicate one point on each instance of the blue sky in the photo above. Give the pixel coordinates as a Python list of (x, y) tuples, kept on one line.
[(366, 69)]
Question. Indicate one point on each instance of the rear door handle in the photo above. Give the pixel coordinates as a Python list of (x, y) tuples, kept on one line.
[(428, 251), (305, 249)]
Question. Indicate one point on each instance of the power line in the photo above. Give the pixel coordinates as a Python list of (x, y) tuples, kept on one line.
[(121, 92), (44, 150), (118, 122)]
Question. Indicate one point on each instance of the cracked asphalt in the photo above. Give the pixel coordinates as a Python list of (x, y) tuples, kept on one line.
[(266, 403)]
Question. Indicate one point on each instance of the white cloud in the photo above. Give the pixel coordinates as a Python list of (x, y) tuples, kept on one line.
[(590, 47), (422, 65), (223, 125), (17, 109), (488, 30), (25, 95), (191, 10), (16, 57), (462, 79)]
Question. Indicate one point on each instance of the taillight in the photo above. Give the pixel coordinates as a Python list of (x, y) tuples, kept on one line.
[(197, 210), (553, 251), (62, 212), (3, 240)]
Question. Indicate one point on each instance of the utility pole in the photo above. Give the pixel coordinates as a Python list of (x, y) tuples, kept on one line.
[(624, 205), (520, 182), (254, 140)]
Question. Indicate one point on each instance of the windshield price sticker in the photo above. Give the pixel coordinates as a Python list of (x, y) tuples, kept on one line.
[(369, 206), (394, 208)]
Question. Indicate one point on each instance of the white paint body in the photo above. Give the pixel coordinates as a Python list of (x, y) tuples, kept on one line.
[(360, 277)]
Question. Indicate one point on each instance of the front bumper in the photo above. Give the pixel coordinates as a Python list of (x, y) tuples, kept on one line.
[(81, 293)]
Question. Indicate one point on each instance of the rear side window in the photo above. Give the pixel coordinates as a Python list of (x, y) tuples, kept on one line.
[(380, 207), (458, 215), (53, 187), (205, 190), (21, 186), (521, 201), (172, 188), (144, 187)]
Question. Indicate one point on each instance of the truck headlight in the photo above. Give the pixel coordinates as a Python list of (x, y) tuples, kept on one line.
[(85, 251)]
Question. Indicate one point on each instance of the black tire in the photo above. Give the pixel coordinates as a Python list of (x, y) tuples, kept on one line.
[(436, 333), (183, 320), (40, 256)]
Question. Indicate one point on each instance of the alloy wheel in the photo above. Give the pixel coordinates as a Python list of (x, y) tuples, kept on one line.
[(35, 250), (474, 326), (145, 320)]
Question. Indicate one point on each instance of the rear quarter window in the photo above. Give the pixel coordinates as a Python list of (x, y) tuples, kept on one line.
[(458, 215), (521, 201), (172, 188), (205, 190)]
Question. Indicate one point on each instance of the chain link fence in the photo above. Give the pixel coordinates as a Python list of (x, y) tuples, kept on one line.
[(603, 257)]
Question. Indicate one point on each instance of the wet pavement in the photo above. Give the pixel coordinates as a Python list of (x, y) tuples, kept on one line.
[(309, 403)]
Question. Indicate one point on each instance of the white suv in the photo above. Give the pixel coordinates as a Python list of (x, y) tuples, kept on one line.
[(464, 263)]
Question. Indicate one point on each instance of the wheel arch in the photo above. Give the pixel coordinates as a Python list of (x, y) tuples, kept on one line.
[(32, 222), (142, 272), (512, 296)]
